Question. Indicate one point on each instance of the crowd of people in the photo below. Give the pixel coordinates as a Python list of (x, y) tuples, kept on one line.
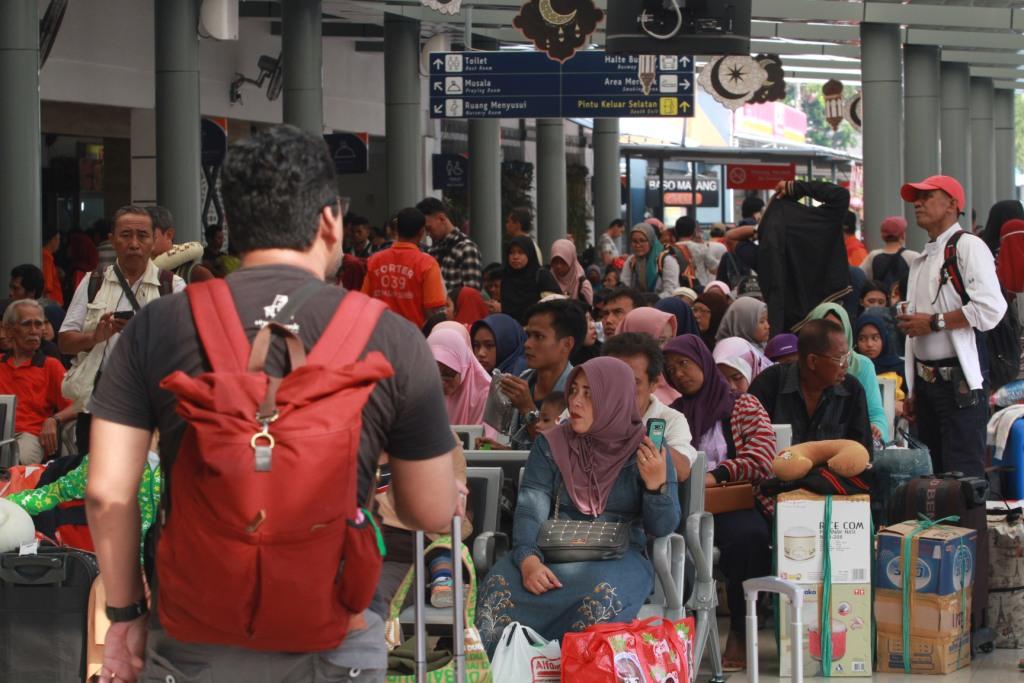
[(586, 346)]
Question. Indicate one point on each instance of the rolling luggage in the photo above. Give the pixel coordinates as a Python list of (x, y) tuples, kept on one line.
[(942, 495), (1006, 578), (44, 611), (794, 594)]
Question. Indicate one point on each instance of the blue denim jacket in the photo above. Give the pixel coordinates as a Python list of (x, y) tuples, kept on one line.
[(652, 515)]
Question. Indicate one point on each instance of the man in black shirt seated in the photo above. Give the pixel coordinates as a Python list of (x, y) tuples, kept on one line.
[(815, 395)]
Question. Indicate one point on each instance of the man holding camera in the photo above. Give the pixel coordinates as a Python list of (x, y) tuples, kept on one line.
[(103, 304)]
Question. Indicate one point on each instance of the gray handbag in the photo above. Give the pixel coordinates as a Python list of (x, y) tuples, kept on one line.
[(570, 540)]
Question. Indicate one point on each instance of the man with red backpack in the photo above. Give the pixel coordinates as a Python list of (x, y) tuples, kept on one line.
[(274, 394)]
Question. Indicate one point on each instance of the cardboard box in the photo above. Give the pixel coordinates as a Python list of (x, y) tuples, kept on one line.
[(945, 563), (851, 632), (934, 616), (941, 655), (799, 518)]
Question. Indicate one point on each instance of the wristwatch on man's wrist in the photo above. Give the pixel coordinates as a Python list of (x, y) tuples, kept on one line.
[(129, 613), (938, 322)]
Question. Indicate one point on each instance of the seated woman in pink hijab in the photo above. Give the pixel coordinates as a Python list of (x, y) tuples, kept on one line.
[(660, 325), (740, 362), (464, 380)]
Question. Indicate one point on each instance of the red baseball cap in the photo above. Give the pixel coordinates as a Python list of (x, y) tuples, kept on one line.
[(894, 226), (947, 184)]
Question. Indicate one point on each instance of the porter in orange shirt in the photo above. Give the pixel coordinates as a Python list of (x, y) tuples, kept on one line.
[(406, 279)]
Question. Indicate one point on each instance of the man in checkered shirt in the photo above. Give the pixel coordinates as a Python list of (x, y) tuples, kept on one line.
[(461, 265)]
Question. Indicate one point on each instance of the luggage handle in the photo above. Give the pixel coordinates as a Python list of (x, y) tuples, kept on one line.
[(13, 569)]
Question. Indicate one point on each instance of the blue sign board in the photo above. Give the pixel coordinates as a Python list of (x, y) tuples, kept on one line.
[(451, 172), (350, 151), (593, 84)]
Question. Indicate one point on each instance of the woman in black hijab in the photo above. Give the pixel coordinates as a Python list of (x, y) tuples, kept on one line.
[(1000, 213), (524, 281)]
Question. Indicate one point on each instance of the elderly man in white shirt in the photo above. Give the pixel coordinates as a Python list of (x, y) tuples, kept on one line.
[(642, 354), (948, 303)]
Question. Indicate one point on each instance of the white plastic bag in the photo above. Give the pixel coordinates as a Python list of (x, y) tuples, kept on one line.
[(523, 656)]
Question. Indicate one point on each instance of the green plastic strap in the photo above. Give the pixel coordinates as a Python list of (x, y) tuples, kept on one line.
[(376, 532), (923, 524), (964, 623), (825, 632)]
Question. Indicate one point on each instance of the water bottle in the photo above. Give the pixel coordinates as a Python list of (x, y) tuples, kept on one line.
[(1009, 394)]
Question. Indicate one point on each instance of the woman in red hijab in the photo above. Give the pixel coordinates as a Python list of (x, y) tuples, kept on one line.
[(469, 306)]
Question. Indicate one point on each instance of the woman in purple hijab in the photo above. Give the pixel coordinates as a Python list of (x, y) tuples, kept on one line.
[(599, 465), (735, 433)]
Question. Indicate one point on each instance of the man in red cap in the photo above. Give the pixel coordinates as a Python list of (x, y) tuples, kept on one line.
[(953, 292), (891, 263)]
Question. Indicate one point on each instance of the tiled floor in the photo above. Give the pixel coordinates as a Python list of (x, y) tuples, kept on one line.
[(998, 667)]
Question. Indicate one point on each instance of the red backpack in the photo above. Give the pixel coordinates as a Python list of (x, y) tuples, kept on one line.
[(264, 544)]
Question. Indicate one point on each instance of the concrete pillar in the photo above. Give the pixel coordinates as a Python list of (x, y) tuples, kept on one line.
[(552, 203), (487, 225), (1006, 166), (607, 187), (881, 74), (403, 128), (20, 141), (177, 115), (955, 108), (485, 219), (302, 64), (920, 125), (983, 150)]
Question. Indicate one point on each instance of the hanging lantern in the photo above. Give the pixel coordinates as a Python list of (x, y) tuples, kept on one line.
[(834, 108), (646, 71)]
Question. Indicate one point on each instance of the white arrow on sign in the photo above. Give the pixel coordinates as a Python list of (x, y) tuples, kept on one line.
[(438, 108), (439, 86), (685, 61), (686, 84), (439, 63)]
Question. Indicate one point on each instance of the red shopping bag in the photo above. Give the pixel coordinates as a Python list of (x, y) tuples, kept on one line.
[(651, 651)]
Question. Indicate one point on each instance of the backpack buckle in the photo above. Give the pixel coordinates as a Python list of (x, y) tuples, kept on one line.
[(263, 452)]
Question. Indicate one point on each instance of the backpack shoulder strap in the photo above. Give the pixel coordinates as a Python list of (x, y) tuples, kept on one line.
[(950, 271), (166, 282), (218, 325), (95, 283), (349, 331)]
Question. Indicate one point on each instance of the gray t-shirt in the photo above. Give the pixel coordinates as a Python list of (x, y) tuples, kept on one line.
[(405, 415)]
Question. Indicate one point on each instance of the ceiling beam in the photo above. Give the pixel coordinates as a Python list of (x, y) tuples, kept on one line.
[(1004, 74), (986, 57)]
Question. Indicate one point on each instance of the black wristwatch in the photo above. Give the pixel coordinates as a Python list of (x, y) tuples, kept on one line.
[(129, 613)]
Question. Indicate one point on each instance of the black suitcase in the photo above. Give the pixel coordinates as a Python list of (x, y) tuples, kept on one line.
[(941, 495), (44, 601)]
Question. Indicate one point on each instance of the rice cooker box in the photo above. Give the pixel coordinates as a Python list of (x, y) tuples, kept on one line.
[(799, 523), (945, 558), (851, 632)]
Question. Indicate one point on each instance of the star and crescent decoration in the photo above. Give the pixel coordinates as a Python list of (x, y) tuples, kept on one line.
[(450, 7), (558, 27), (734, 80)]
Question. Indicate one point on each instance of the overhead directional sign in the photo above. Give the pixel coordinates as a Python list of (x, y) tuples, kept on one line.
[(593, 84)]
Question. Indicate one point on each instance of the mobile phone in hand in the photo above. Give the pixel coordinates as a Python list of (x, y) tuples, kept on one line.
[(656, 432), (123, 315)]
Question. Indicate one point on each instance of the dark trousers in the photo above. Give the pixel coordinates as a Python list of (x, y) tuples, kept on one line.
[(743, 538), (83, 428), (954, 436)]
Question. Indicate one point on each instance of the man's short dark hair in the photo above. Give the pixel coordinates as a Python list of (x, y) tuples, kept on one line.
[(750, 206), (32, 279), (555, 398), (274, 185), (493, 271), (523, 217), (616, 223), (354, 219), (816, 337), (632, 344), (101, 227), (685, 227), (718, 231), (129, 210), (849, 222), (49, 232), (431, 206), (566, 319), (163, 219), (628, 292), (211, 231), (409, 222)]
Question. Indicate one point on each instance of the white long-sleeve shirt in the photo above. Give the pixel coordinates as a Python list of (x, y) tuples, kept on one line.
[(984, 311)]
